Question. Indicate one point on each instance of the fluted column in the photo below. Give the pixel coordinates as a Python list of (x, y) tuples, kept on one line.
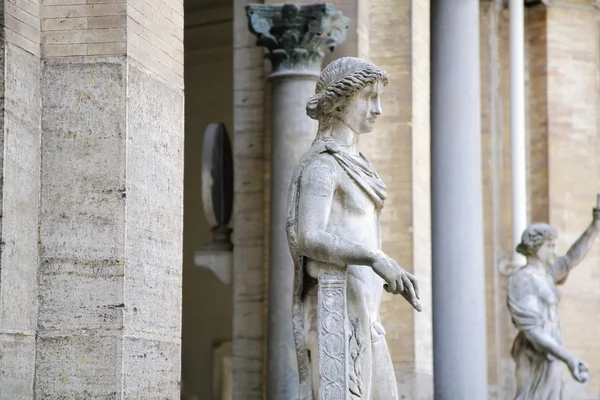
[(296, 38)]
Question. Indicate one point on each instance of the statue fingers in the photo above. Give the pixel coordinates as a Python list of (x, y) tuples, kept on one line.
[(399, 284), (410, 289), (415, 283)]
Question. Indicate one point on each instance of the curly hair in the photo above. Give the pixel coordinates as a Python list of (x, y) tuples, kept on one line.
[(534, 237), (339, 82)]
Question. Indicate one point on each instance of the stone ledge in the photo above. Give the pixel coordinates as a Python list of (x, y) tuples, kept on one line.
[(219, 261)]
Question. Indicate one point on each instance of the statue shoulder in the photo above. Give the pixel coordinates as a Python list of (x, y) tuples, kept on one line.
[(522, 283), (322, 165)]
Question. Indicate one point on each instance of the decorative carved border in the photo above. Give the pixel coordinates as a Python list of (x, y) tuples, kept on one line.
[(333, 334)]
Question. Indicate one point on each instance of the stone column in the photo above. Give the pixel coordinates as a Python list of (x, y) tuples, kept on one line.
[(296, 38), (459, 318)]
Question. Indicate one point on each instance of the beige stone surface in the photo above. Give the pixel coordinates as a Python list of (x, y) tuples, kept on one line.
[(110, 231), (150, 31), (22, 24), (249, 219), (20, 189)]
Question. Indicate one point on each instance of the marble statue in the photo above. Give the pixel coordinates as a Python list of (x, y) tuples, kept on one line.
[(333, 229), (533, 304)]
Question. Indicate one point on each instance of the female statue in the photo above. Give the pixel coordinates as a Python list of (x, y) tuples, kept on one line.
[(335, 200)]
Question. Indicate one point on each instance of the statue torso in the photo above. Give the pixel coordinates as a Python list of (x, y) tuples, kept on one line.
[(355, 217), (542, 286)]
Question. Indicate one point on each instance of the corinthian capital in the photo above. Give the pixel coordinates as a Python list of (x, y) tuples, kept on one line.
[(297, 36)]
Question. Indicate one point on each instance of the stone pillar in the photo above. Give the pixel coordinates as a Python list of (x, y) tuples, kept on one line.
[(20, 135), (90, 302), (296, 38), (459, 316)]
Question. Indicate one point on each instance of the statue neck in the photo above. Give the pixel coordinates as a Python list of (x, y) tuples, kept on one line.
[(342, 134), (537, 264)]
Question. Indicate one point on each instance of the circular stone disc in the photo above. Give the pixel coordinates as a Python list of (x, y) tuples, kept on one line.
[(217, 175)]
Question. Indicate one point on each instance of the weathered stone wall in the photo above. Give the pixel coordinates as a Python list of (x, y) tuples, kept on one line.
[(20, 182), (155, 36), (82, 222), (111, 201), (249, 218), (22, 24), (80, 28), (150, 31), (153, 235), (110, 231)]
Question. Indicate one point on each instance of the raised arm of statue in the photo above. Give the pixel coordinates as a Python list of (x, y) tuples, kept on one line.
[(561, 267)]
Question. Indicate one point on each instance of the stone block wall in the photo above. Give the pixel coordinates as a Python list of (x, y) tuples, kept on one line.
[(149, 31), (155, 36), (82, 28), (22, 24), (249, 218)]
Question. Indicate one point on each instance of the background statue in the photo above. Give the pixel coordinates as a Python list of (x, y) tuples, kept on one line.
[(334, 204), (533, 303)]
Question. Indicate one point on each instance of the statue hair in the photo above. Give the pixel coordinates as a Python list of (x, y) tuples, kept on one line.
[(534, 237), (338, 83)]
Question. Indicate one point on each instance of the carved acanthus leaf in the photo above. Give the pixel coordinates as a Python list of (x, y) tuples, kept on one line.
[(297, 36)]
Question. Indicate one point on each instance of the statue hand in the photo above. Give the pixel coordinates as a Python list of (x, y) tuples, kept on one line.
[(578, 369), (397, 280)]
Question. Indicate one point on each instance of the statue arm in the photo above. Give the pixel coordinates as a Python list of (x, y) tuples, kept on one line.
[(575, 255), (317, 188), (528, 317), (548, 344)]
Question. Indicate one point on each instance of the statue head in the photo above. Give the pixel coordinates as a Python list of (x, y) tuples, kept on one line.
[(538, 241), (348, 90)]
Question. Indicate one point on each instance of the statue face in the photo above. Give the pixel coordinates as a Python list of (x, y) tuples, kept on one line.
[(547, 252), (360, 114)]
